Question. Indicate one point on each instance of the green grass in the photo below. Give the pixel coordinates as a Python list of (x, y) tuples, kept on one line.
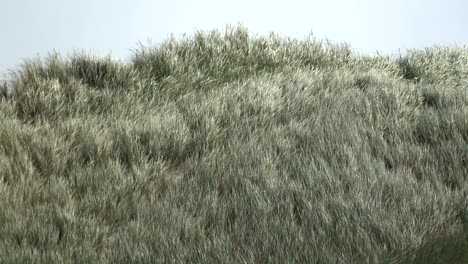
[(225, 147)]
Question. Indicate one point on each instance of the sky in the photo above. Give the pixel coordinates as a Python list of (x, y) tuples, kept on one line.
[(31, 28)]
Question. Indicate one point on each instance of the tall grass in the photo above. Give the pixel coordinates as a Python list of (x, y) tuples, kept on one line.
[(234, 55), (225, 147)]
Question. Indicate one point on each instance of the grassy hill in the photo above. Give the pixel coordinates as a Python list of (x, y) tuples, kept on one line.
[(224, 147)]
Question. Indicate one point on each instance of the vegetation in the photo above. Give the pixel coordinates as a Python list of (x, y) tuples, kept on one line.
[(230, 148)]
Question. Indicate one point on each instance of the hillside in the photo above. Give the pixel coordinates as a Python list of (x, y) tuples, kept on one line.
[(224, 147)]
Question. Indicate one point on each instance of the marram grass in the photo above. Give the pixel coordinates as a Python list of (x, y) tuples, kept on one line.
[(225, 147)]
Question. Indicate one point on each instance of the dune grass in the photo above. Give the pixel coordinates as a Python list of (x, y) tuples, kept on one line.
[(224, 147)]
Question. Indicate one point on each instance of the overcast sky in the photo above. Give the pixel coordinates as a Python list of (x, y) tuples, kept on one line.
[(35, 27)]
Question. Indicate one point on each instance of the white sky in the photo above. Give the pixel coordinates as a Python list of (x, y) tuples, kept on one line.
[(32, 27)]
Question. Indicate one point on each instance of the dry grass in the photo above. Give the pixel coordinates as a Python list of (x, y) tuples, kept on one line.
[(232, 148)]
